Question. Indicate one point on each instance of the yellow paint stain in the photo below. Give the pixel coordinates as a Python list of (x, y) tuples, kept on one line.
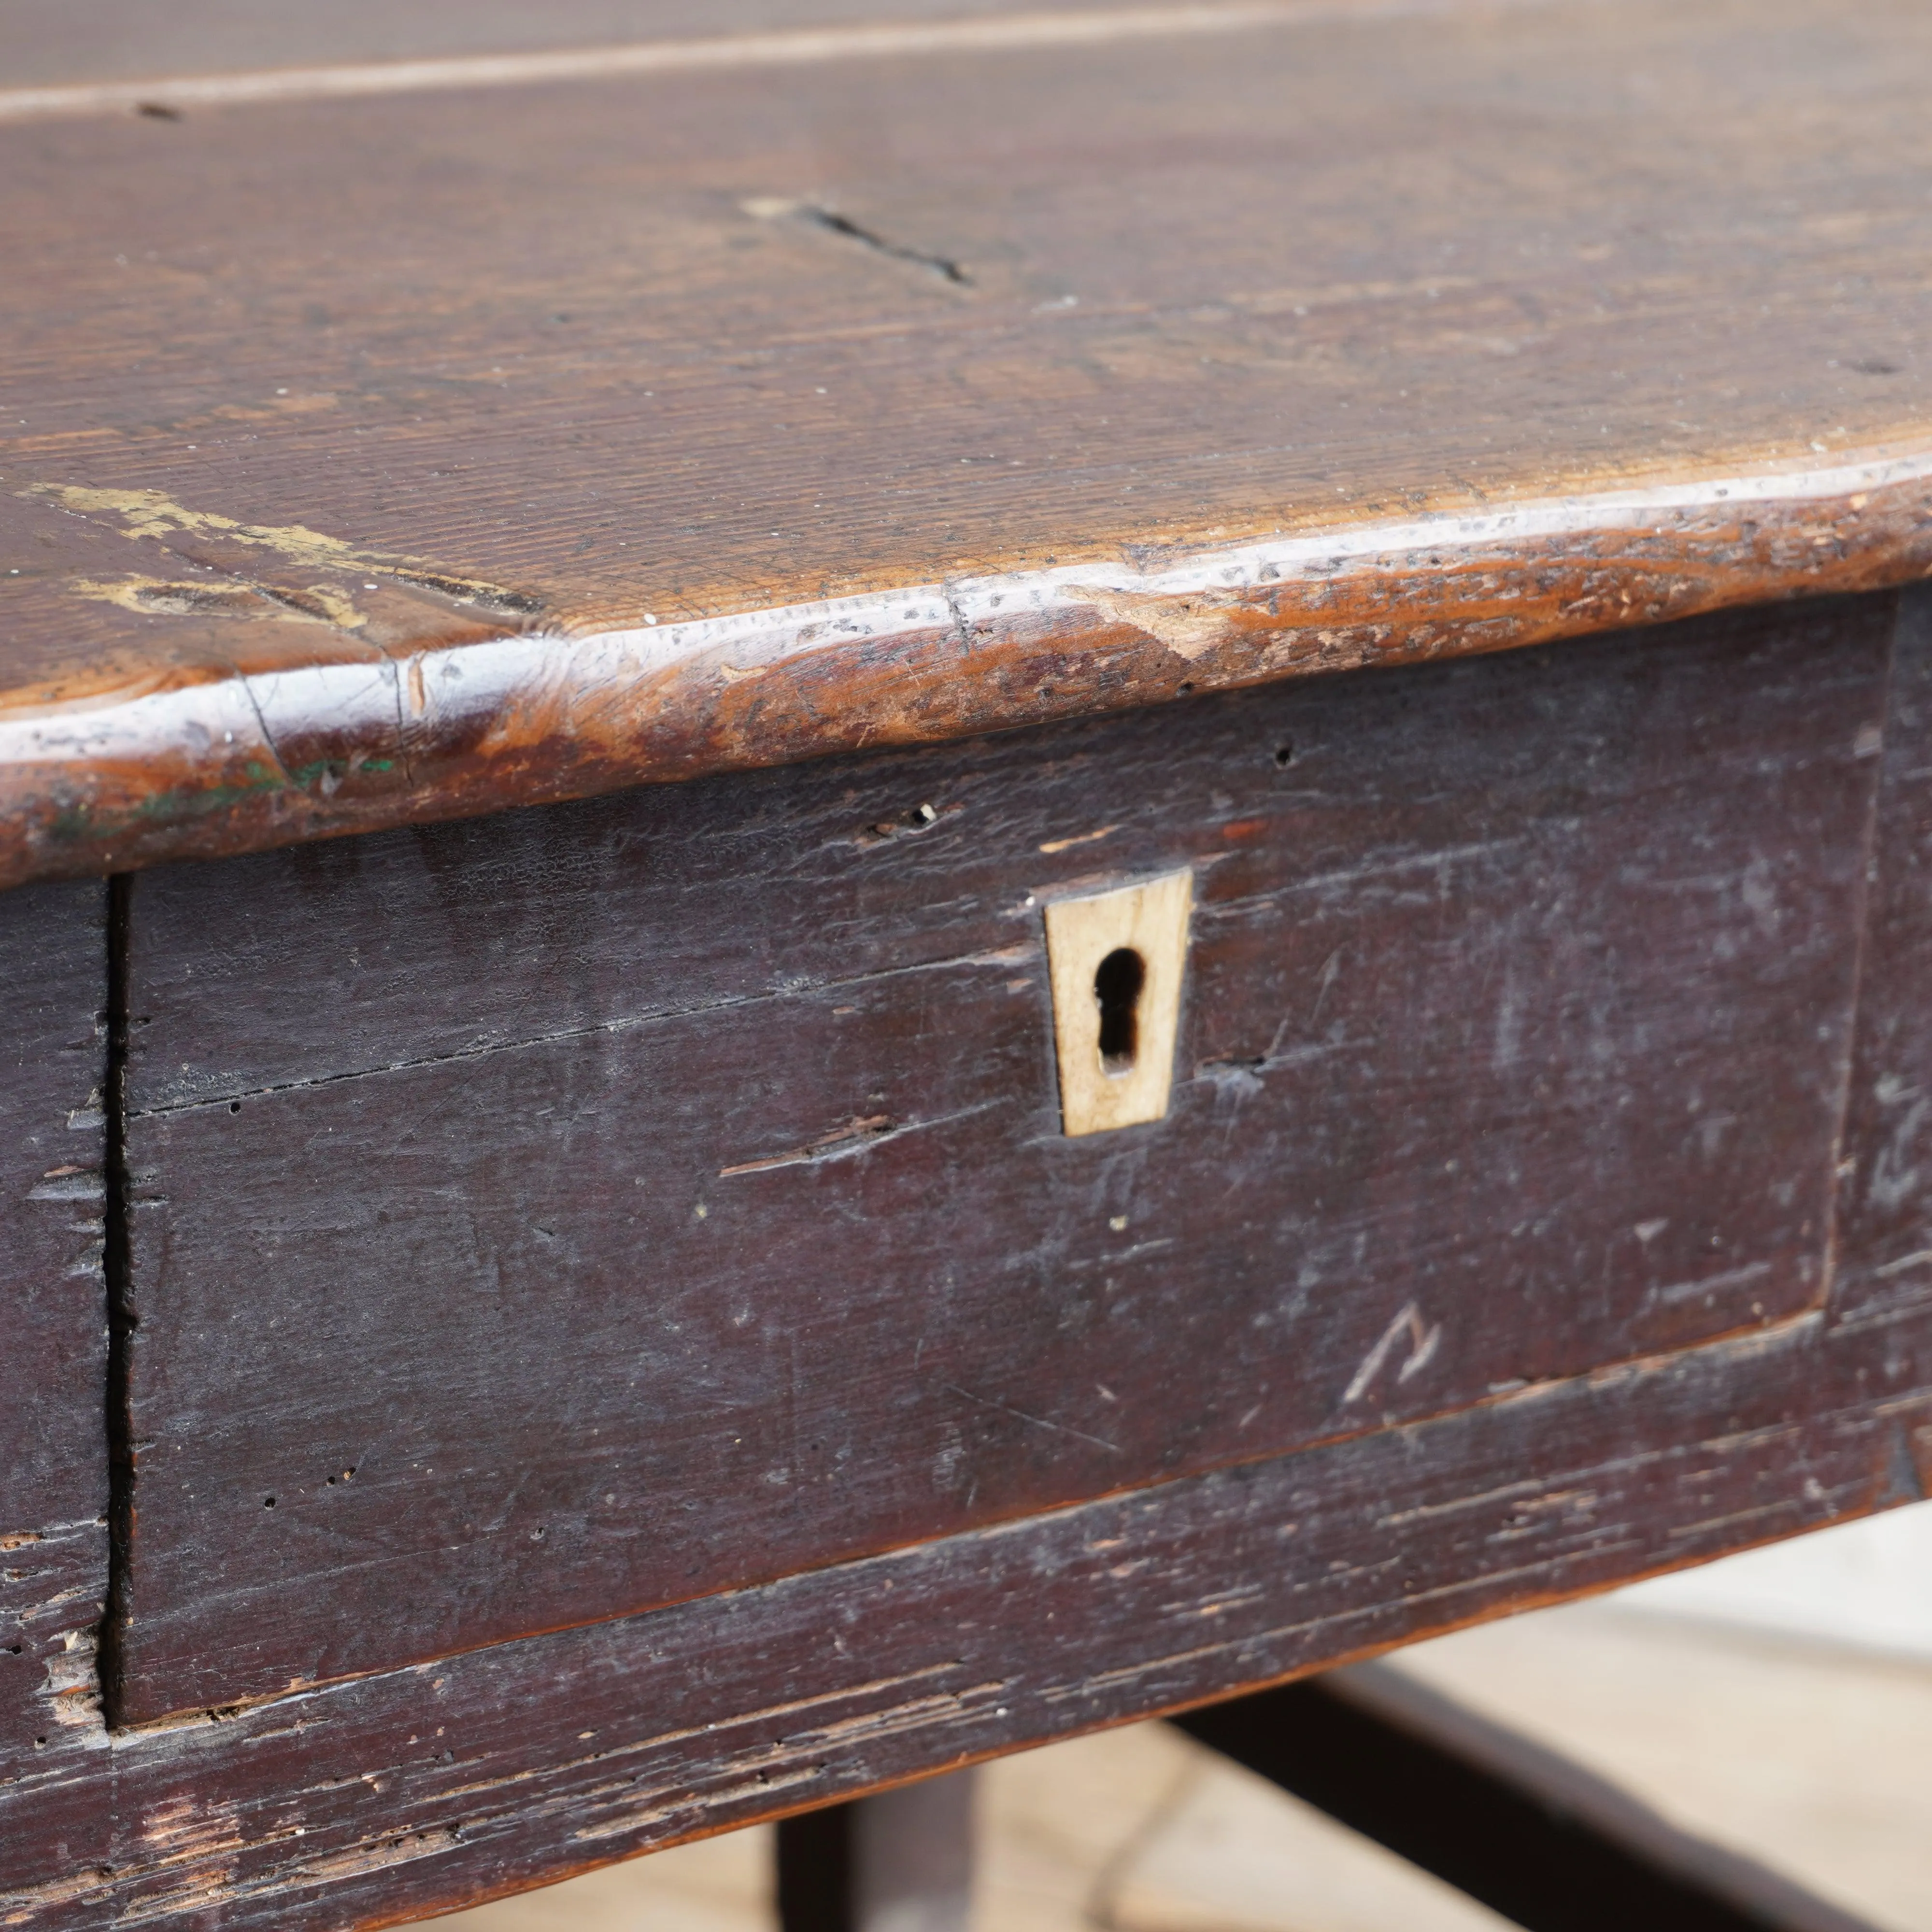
[(154, 514), (158, 597), (153, 597), (339, 611), (150, 513)]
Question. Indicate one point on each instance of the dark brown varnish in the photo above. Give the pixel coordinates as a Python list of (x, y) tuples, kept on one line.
[(53, 1338), (407, 1494), (414, 1790), (418, 1790), (312, 394), (1884, 1261), (676, 1197), (53, 1101)]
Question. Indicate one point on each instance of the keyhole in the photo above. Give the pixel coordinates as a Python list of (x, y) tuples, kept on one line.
[(1117, 986)]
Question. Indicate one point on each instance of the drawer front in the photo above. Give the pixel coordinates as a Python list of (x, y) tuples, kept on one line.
[(543, 1219)]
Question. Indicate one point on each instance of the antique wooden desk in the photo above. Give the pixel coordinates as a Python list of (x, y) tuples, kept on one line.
[(1337, 571)]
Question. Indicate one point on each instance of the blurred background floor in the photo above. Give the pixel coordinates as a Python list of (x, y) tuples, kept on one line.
[(1779, 1702)]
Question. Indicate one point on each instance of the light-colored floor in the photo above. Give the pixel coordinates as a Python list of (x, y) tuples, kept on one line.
[(1781, 1704)]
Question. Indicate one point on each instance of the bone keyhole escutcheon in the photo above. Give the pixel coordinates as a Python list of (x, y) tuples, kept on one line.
[(1117, 961)]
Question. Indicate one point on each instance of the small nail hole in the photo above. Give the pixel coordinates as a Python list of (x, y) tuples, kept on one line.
[(1284, 756), (1117, 987), (235, 1106), (268, 1502)]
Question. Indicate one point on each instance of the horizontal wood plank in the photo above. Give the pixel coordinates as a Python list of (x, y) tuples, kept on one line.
[(721, 1261), (419, 1790), (633, 428)]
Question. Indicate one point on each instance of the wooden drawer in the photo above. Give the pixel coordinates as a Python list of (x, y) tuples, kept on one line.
[(540, 1219)]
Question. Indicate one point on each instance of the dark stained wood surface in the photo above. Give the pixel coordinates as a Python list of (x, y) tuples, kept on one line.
[(53, 1340), (368, 460), (732, 1230), (381, 1798), (53, 1061), (417, 1790), (1884, 1261)]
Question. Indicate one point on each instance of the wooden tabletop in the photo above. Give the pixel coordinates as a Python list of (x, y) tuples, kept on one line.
[(519, 406)]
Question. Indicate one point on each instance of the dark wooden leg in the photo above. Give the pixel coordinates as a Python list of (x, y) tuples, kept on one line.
[(902, 1861), (1529, 1833)]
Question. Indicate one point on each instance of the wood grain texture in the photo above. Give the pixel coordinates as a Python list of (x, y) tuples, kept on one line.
[(1884, 1219), (53, 1059), (53, 1338), (374, 1800), (399, 1796), (636, 429), (736, 1232)]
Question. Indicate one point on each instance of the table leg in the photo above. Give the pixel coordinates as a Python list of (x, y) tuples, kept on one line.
[(902, 1861), (1532, 1835)]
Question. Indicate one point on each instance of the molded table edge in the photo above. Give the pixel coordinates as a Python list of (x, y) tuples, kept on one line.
[(134, 768)]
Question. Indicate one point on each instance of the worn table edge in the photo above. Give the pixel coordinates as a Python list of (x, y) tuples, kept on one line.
[(200, 757)]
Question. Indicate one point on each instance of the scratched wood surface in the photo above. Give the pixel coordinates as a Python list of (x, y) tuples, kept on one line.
[(727, 1137), (53, 1326), (373, 1799), (374, 460), (1885, 1216), (416, 1791)]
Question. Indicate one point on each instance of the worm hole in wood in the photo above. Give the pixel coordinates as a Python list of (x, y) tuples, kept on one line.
[(1117, 987)]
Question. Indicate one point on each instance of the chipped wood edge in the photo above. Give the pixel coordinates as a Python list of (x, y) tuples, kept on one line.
[(102, 781)]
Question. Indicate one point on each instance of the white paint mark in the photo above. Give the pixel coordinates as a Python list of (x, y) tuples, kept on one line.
[(1678, 1291), (1423, 1340), (1918, 1258)]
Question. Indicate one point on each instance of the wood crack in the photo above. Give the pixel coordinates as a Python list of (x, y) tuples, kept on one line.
[(1002, 958)]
